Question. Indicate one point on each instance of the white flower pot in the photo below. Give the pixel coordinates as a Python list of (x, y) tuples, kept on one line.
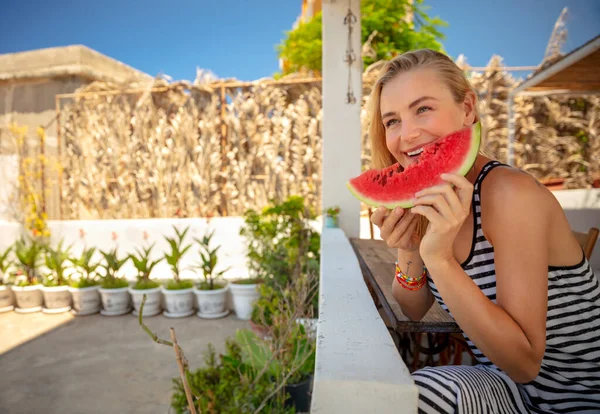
[(179, 303), (212, 303), (153, 301), (7, 299), (29, 298), (244, 297), (86, 301), (57, 299), (115, 301)]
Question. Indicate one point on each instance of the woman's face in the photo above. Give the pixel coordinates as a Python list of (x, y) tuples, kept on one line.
[(417, 108)]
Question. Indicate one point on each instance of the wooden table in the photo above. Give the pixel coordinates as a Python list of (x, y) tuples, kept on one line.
[(377, 263)]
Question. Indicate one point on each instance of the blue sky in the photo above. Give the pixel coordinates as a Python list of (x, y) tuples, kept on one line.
[(237, 38)]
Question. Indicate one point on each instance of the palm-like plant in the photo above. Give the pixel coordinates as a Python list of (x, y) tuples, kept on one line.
[(208, 262), (111, 269), (86, 269), (28, 255), (6, 263), (56, 261), (174, 258), (143, 264)]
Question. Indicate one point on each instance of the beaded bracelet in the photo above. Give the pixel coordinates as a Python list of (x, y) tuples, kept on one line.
[(411, 283)]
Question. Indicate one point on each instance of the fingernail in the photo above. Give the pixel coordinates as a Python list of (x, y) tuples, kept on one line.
[(414, 200), (398, 210)]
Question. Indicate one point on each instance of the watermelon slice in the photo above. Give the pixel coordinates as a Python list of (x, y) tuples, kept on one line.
[(393, 187)]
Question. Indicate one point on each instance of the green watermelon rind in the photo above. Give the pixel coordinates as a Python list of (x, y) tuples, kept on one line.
[(464, 169)]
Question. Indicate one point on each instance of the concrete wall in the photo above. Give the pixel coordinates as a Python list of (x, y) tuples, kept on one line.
[(582, 208), (341, 121), (66, 60), (31, 103), (358, 368)]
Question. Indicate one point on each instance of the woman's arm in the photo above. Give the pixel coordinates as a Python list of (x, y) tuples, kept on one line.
[(414, 304), (398, 229), (512, 332)]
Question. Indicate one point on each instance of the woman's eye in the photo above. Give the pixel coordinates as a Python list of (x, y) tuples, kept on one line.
[(390, 122), (423, 109)]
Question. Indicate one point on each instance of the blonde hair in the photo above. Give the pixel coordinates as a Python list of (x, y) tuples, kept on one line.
[(449, 73)]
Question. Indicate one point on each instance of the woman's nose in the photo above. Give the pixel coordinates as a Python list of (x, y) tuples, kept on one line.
[(409, 133)]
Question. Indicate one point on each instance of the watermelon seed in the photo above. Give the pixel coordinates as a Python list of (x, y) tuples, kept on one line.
[(384, 180)]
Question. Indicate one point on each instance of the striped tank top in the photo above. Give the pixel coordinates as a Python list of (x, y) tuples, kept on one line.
[(569, 378)]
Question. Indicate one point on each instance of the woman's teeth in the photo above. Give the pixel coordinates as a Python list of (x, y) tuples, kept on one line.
[(415, 152)]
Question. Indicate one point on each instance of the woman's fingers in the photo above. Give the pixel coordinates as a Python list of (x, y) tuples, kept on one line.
[(390, 221), (378, 216), (449, 195), (401, 236), (464, 188), (439, 202), (433, 216)]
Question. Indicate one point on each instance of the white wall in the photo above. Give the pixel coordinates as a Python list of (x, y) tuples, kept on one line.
[(130, 234), (341, 121), (582, 208), (9, 176), (358, 368)]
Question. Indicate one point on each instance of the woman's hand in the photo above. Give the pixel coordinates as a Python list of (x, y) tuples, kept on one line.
[(446, 208), (397, 228)]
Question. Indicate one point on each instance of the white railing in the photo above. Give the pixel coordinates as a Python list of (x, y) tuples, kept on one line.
[(358, 368)]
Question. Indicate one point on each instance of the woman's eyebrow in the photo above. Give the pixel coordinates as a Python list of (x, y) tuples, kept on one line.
[(421, 99), (388, 114), (413, 104)]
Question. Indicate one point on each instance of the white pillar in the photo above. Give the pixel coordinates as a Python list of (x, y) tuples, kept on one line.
[(341, 120)]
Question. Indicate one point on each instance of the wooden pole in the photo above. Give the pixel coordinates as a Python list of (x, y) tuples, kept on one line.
[(186, 386), (223, 139), (43, 169), (60, 166), (217, 85)]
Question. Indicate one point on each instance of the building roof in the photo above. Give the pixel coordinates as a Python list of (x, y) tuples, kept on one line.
[(578, 71), (66, 61)]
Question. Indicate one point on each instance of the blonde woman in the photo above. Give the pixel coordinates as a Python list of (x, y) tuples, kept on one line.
[(497, 253)]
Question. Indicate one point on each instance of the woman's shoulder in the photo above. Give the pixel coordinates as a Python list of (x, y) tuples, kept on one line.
[(505, 185)]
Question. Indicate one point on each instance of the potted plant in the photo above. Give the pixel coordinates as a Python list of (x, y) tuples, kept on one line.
[(55, 289), (211, 295), (114, 290), (27, 288), (84, 288), (291, 366), (144, 285), (331, 217), (179, 294), (7, 298), (245, 293), (226, 384), (281, 245), (288, 354)]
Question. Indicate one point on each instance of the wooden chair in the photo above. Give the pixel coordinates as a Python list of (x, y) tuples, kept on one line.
[(587, 241)]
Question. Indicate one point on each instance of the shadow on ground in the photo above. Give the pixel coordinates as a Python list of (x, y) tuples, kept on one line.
[(97, 364)]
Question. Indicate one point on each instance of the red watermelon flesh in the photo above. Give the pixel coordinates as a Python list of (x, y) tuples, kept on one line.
[(392, 187)]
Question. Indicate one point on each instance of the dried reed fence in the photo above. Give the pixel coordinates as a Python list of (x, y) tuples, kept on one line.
[(189, 150), (202, 149)]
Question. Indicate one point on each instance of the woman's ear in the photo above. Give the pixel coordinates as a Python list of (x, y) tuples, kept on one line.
[(470, 109)]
